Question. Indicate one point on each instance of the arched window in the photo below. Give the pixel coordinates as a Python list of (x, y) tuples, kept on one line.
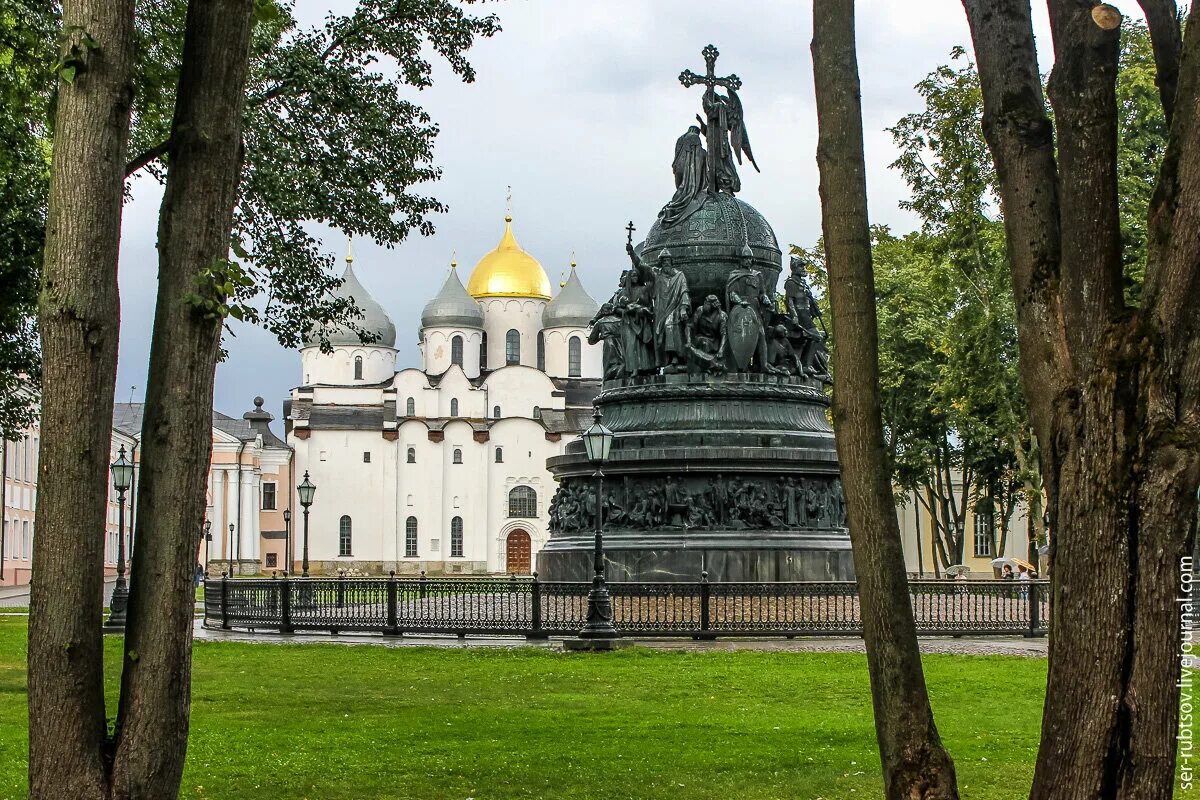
[(456, 538), (412, 455), (522, 502), (344, 536), (454, 406), (512, 347), (457, 456), (410, 537), (537, 412), (574, 357), (410, 407), (495, 412), (456, 345), (541, 351), (358, 368), (499, 455), (483, 352)]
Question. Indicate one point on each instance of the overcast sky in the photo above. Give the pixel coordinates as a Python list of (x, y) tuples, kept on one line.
[(577, 106)]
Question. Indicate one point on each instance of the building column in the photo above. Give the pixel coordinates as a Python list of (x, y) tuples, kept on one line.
[(247, 528), (217, 517)]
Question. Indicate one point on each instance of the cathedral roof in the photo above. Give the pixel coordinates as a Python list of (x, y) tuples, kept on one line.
[(374, 320), (508, 271), (573, 307), (452, 306)]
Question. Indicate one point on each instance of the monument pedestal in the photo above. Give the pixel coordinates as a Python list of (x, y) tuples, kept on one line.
[(736, 475)]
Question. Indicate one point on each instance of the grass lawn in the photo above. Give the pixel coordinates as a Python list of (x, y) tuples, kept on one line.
[(330, 721)]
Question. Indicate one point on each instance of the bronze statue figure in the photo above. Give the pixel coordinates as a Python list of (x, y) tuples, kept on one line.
[(690, 168), (672, 307), (724, 125), (607, 327), (707, 335)]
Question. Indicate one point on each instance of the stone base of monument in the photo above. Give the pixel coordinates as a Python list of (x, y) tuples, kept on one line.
[(681, 556), (735, 475)]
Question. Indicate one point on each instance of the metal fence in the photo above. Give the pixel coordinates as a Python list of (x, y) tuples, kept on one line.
[(536, 609)]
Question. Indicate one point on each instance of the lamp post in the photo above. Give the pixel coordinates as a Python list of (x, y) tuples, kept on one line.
[(122, 478), (306, 490), (207, 537), (229, 551), (287, 539), (598, 632)]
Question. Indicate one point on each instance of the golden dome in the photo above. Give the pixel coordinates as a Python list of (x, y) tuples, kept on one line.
[(508, 271)]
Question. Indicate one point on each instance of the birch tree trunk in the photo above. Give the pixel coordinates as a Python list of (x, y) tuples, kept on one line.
[(915, 764), (78, 316)]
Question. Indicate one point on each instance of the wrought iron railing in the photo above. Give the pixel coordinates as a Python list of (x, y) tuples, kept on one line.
[(535, 608)]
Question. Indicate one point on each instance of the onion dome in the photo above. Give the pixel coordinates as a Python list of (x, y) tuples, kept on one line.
[(573, 307), (508, 271), (452, 307), (374, 319)]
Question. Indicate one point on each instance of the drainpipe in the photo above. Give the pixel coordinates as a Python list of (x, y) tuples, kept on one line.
[(920, 542)]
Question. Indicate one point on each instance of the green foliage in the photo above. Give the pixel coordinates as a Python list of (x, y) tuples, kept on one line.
[(26, 84), (331, 721), (330, 138)]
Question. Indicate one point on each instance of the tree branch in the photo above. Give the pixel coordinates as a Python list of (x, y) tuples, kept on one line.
[(1162, 18), (153, 154)]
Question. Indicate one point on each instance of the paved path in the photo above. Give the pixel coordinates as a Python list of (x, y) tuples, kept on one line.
[(999, 645)]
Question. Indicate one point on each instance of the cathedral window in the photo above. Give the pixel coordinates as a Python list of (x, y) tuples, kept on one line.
[(454, 406), (410, 537), (410, 407), (366, 456), (483, 352), (456, 350), (512, 347), (344, 536), (522, 502), (457, 456), (412, 455), (456, 537), (496, 412), (574, 357), (537, 412), (358, 368), (541, 351), (499, 455)]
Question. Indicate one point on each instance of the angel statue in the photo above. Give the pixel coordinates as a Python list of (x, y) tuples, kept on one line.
[(723, 125)]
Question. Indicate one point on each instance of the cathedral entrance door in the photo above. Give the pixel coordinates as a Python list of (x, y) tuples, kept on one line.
[(519, 554)]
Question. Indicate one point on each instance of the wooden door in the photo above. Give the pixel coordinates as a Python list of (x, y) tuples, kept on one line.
[(519, 554)]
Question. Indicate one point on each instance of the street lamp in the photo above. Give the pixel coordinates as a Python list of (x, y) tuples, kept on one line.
[(229, 550), (122, 478), (599, 630), (207, 544), (287, 539), (306, 490)]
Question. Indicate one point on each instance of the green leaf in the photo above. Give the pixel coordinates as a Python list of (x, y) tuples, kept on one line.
[(67, 73)]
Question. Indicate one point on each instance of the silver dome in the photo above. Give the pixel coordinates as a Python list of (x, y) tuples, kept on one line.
[(573, 307), (374, 320), (452, 307)]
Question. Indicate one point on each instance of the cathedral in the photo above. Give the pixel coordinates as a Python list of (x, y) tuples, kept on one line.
[(442, 468)]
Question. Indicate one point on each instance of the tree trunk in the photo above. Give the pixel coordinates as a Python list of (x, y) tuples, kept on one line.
[(204, 169), (78, 315), (1114, 393), (915, 765)]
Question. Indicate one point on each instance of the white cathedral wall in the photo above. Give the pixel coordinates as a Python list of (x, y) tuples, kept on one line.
[(436, 349), (558, 359), (502, 314), (337, 368), (517, 390)]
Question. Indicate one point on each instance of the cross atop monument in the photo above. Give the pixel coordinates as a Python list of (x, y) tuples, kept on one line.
[(709, 78), (722, 125)]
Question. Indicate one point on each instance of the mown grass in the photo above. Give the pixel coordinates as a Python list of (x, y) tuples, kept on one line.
[(330, 721)]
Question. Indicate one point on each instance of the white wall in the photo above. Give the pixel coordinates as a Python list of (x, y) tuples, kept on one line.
[(436, 349), (379, 364), (501, 314)]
